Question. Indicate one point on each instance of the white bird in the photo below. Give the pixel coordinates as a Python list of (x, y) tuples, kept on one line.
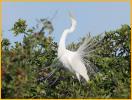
[(73, 60)]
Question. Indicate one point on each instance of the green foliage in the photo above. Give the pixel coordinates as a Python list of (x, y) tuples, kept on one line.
[(22, 63), (113, 80), (5, 44), (26, 66), (19, 27)]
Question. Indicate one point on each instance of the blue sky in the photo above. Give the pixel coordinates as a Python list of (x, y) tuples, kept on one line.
[(91, 17)]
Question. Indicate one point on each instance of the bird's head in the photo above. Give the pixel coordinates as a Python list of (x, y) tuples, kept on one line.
[(73, 24), (73, 19)]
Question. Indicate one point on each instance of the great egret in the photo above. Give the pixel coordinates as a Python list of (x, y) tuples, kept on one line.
[(73, 60)]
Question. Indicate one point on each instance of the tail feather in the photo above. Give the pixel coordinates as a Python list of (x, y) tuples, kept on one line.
[(86, 50), (88, 46)]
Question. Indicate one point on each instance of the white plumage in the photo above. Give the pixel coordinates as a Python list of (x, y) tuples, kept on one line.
[(72, 60)]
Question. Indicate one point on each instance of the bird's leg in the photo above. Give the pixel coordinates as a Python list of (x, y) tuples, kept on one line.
[(85, 76), (78, 76)]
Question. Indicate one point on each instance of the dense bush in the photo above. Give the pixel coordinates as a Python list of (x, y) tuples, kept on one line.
[(30, 68)]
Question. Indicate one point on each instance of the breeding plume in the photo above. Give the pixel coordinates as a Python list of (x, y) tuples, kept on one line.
[(73, 60)]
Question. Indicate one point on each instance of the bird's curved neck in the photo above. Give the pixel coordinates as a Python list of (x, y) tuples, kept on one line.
[(62, 44)]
